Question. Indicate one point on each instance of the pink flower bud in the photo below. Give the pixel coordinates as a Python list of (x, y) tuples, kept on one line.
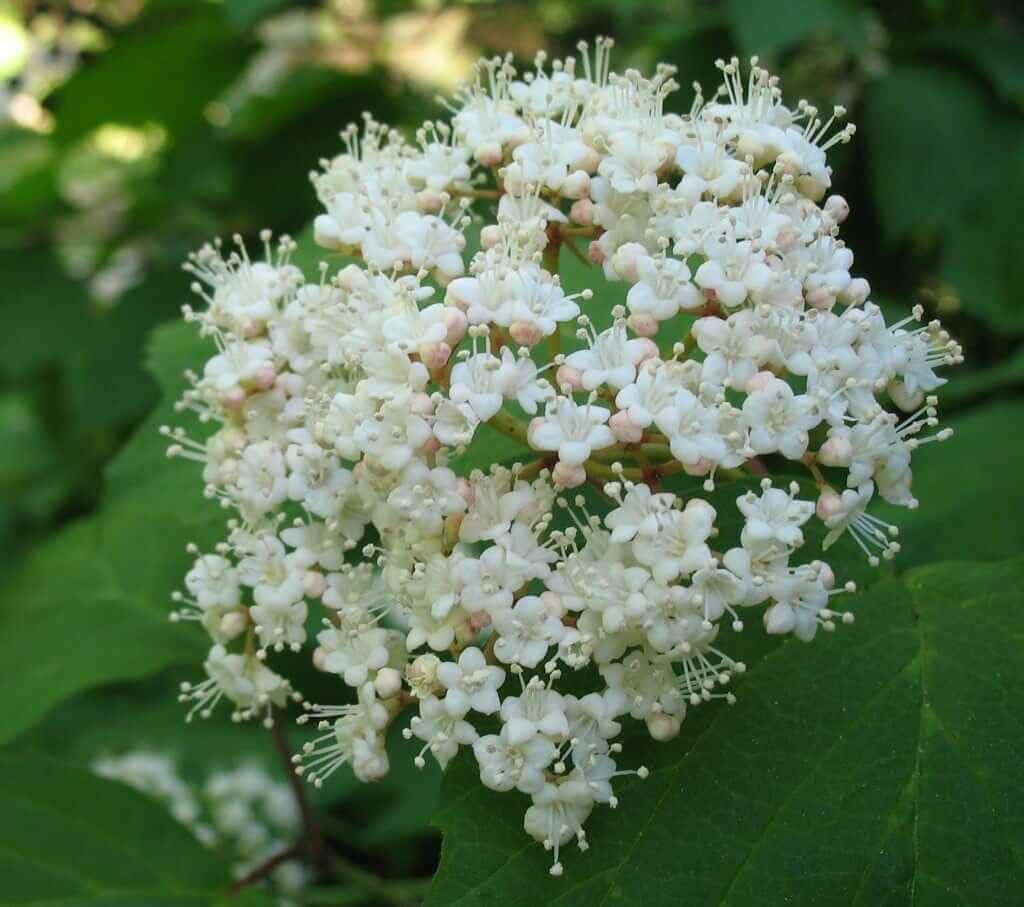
[(435, 355), (233, 398), (662, 727), (829, 504), (489, 154), (526, 333), (649, 350), (643, 325), (421, 404), (566, 476), (568, 375), (429, 201), (596, 253), (701, 468), (479, 620), (431, 445), (464, 489), (835, 452), (456, 322), (759, 382), (576, 185), (820, 298), (582, 212), (263, 378), (624, 428), (626, 260)]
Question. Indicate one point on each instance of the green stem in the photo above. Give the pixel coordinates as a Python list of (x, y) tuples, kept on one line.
[(509, 425)]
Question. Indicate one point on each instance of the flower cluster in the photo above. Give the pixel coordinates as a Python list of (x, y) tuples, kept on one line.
[(243, 811), (350, 415)]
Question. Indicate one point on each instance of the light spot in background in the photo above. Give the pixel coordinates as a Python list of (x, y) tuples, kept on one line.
[(128, 143), (14, 47)]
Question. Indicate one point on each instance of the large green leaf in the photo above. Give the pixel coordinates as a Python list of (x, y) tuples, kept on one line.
[(923, 173), (71, 839), (90, 605), (164, 70), (879, 765), (771, 29), (970, 489)]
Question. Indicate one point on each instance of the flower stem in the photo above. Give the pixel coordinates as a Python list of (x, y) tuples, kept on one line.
[(264, 869), (509, 425), (312, 839)]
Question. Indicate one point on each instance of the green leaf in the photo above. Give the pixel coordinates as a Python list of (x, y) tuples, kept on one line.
[(923, 174), (993, 50), (877, 765), (970, 488), (1007, 373), (73, 839), (773, 28), (91, 604), (189, 56), (982, 259)]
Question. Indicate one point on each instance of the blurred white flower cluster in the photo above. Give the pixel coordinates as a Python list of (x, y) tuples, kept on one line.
[(244, 811), (344, 406)]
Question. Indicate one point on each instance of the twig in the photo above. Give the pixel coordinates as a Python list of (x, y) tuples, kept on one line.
[(313, 840), (264, 869)]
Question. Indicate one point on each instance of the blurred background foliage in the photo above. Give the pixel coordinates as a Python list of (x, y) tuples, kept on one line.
[(133, 130)]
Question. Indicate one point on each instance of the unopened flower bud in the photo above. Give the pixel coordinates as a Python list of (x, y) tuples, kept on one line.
[(759, 382), (582, 212), (835, 452), (576, 185), (320, 658), (624, 428), (233, 624), (489, 154), (836, 207), (456, 322), (313, 584), (569, 376), (435, 355), (663, 727), (643, 325), (387, 683), (526, 333), (567, 476), (829, 505)]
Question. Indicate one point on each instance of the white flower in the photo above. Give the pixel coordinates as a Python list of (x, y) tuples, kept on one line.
[(611, 359), (526, 631), (574, 431), (345, 413), (680, 546), (442, 731), (471, 683), (504, 766), (637, 513), (558, 813), (780, 420), (774, 516)]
